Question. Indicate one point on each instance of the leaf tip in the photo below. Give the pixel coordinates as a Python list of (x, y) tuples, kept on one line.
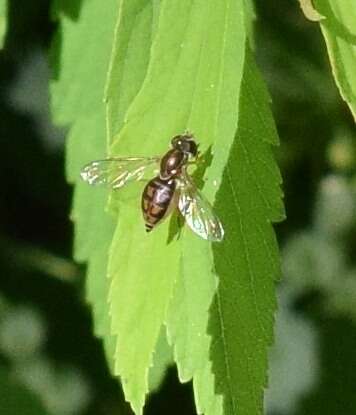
[(310, 12)]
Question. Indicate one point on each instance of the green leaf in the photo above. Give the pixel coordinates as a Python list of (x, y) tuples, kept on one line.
[(339, 31), (182, 90), (247, 262), (77, 101), (134, 31), (141, 287), (3, 21), (175, 65)]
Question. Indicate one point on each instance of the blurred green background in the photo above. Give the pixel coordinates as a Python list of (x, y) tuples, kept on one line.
[(50, 363)]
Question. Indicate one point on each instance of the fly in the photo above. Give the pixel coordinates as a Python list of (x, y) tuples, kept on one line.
[(172, 187)]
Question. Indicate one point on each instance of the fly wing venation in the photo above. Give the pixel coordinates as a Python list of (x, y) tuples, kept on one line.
[(117, 172), (197, 211)]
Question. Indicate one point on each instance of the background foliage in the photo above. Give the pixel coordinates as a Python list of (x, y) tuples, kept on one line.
[(42, 289)]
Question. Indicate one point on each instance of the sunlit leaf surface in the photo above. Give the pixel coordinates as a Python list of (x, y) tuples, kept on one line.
[(3, 21), (182, 90), (175, 66)]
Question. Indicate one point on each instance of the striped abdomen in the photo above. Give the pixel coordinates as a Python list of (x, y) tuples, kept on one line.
[(156, 200)]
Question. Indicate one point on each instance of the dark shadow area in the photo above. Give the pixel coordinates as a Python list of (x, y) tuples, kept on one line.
[(335, 394), (28, 25), (178, 399), (176, 223), (54, 53), (305, 102)]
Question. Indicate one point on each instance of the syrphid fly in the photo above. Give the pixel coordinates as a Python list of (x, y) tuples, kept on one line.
[(172, 187)]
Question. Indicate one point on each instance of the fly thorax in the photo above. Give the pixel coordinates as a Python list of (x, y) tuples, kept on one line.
[(171, 164)]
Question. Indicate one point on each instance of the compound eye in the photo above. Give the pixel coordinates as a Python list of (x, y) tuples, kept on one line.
[(176, 141)]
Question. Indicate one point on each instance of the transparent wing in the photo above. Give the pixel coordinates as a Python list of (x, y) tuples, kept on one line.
[(198, 212), (116, 172)]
